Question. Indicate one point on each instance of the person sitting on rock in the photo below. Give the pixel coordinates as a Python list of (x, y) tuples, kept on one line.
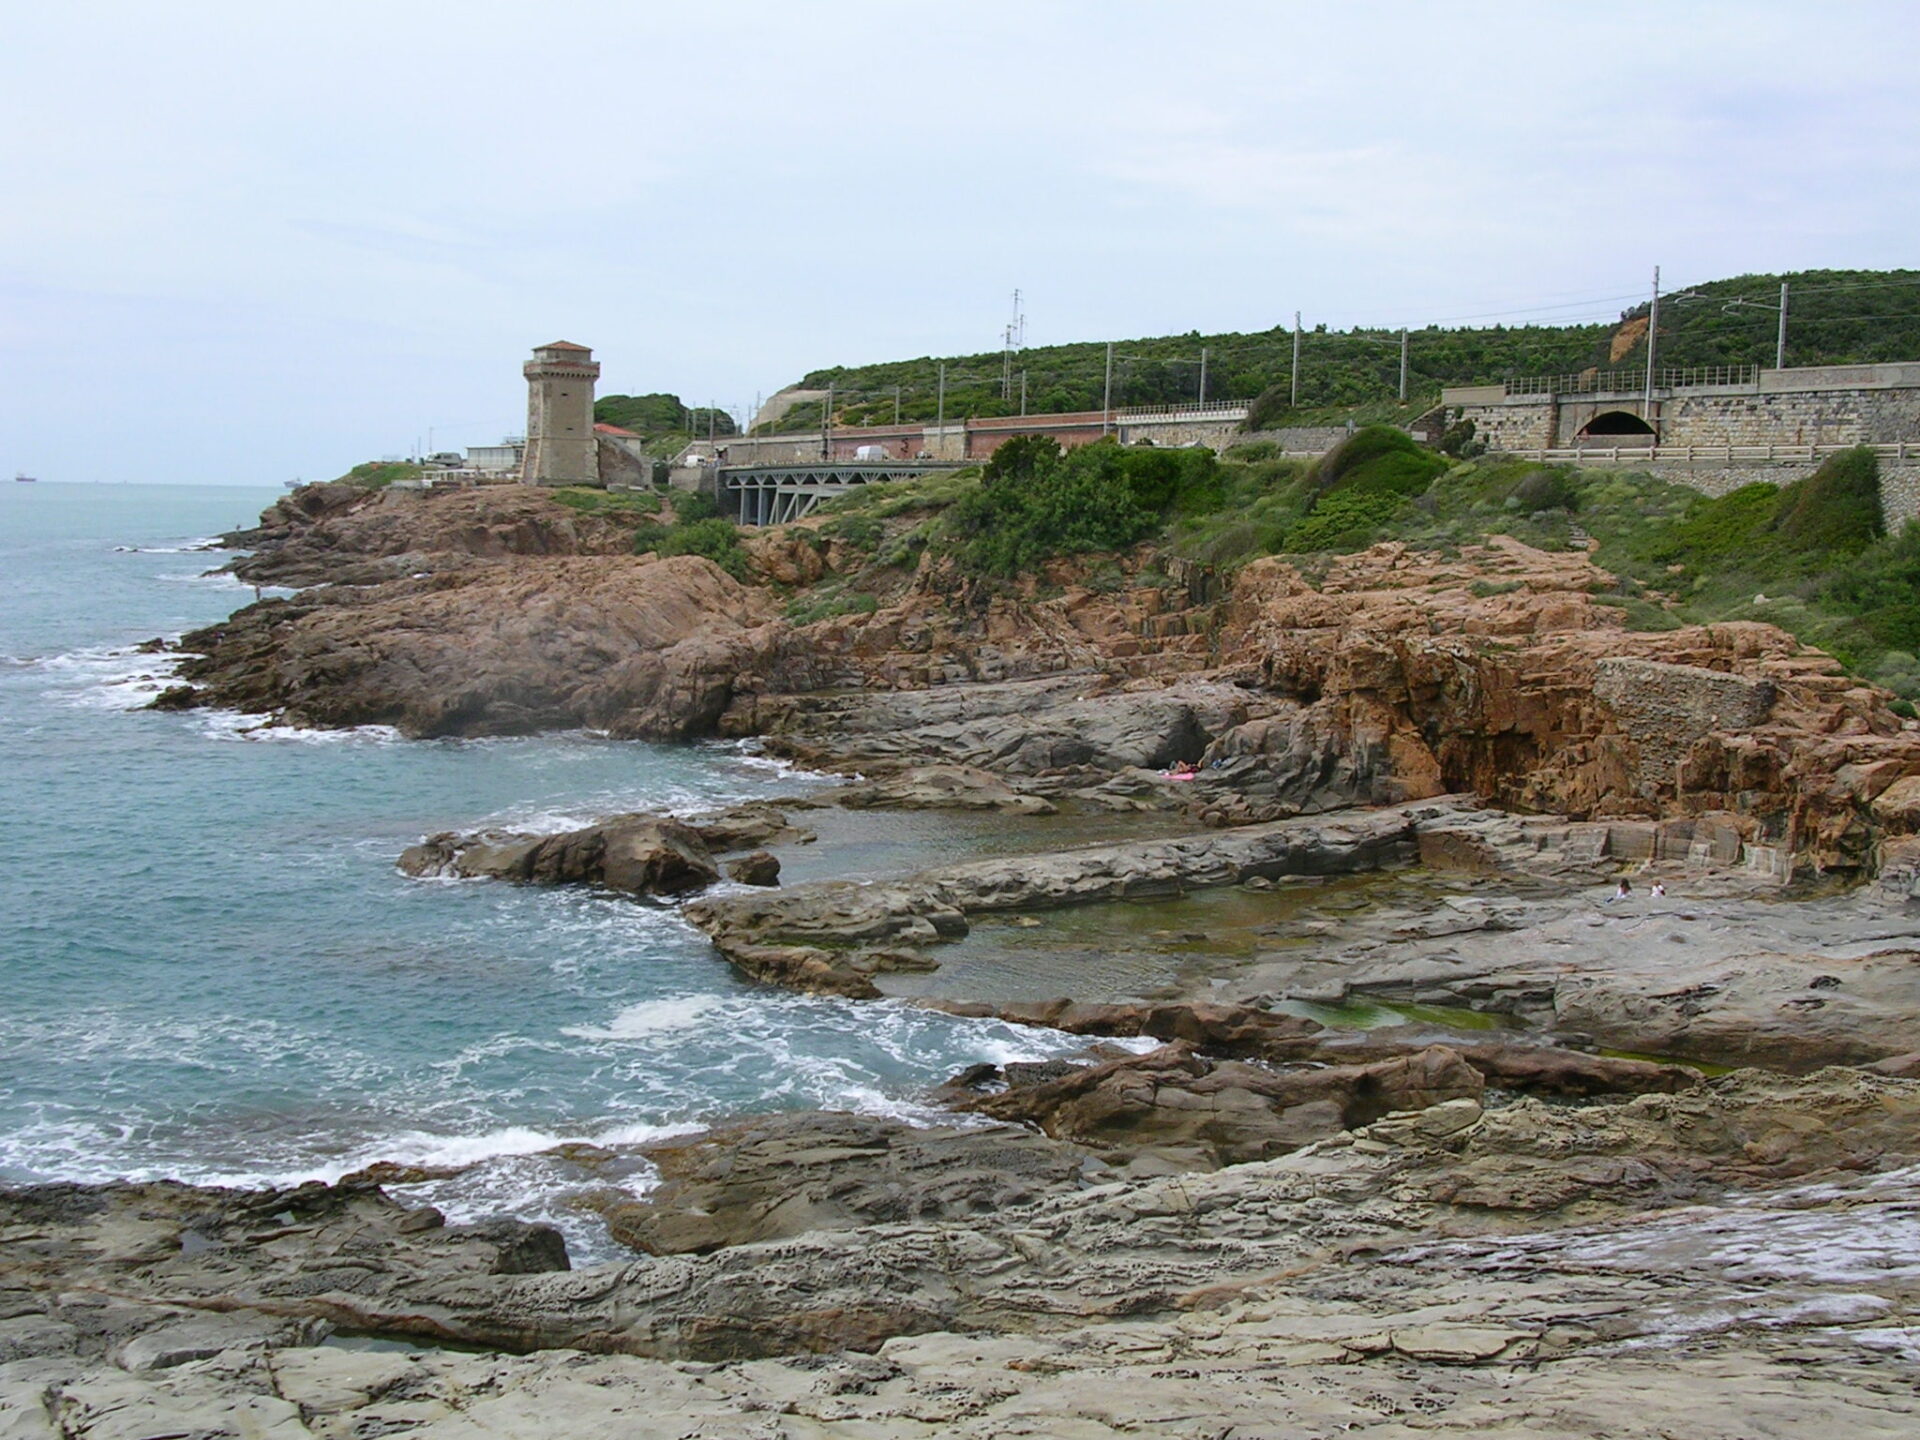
[(1623, 892), (1659, 890)]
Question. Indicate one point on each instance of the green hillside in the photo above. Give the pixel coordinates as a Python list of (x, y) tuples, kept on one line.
[(661, 420), (1836, 317)]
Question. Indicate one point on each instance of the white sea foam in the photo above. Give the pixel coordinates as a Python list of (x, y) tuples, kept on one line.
[(105, 677), (238, 725), (649, 1018), (222, 580), (436, 1151), (204, 545)]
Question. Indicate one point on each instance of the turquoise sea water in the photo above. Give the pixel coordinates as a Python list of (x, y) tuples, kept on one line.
[(210, 969)]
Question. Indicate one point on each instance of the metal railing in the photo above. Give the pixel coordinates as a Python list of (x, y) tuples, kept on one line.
[(1631, 382), (1902, 453), (1222, 409)]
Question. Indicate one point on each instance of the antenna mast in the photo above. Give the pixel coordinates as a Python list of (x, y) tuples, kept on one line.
[(1012, 338)]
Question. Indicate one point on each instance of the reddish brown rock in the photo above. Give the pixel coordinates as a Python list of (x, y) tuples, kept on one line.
[(630, 645), (638, 854), (1175, 1107)]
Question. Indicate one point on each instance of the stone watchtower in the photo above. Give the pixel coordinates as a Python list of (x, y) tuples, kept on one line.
[(560, 444)]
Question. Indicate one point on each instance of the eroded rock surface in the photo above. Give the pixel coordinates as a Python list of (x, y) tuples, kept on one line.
[(786, 1175), (1629, 1269), (341, 534), (1396, 675), (633, 645), (1718, 970), (1176, 1110), (640, 854)]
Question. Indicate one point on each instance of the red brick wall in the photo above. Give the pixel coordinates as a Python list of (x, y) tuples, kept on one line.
[(984, 436)]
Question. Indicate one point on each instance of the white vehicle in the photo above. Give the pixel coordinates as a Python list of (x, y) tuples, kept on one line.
[(869, 452)]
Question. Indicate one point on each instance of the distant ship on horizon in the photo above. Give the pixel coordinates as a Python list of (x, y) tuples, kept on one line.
[(21, 477)]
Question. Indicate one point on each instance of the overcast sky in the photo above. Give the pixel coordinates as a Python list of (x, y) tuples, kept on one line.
[(245, 242)]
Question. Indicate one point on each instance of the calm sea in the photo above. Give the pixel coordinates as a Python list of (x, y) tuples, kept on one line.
[(210, 969)]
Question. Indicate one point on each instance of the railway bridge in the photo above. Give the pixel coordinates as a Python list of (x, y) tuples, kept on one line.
[(776, 494)]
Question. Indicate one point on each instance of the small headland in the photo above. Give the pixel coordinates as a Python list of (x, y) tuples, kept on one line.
[(1390, 1096)]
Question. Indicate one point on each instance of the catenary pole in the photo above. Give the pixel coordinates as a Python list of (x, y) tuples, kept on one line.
[(940, 407), (1780, 345), (1203, 374), (1293, 398), (1106, 395), (1653, 339)]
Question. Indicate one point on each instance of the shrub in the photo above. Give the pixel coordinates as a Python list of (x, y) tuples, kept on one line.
[(1458, 441), (690, 506), (1538, 490), (1377, 460), (1269, 407), (862, 532), (1021, 459), (1346, 520), (1737, 524), (1835, 510), (1038, 503), (715, 538), (378, 474), (1006, 529), (1899, 671), (1881, 588)]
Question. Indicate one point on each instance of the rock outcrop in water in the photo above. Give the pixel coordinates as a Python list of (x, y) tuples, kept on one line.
[(341, 534), (638, 854), (628, 644)]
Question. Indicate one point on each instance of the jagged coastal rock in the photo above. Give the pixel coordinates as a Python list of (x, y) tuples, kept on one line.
[(632, 645), (638, 854)]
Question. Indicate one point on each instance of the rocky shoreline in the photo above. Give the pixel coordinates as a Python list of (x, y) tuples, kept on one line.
[(1417, 1132)]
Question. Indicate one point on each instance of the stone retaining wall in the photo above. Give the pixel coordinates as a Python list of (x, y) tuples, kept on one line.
[(1899, 484), (1298, 439), (1809, 417)]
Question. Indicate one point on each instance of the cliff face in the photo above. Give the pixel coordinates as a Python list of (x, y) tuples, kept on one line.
[(1394, 675), (627, 644), (1537, 697)]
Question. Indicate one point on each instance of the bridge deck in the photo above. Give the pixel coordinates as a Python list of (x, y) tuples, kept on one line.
[(776, 494)]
